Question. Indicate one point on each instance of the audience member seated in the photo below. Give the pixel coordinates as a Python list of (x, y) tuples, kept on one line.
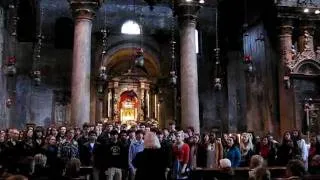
[(256, 162), (40, 171), (314, 167), (73, 169), (246, 149), (295, 170), (233, 153), (17, 177), (262, 173), (226, 172), (267, 150)]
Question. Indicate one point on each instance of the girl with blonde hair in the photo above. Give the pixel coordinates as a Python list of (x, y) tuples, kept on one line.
[(246, 149)]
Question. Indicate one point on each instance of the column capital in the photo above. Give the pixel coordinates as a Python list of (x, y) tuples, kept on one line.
[(286, 29), (307, 26), (187, 11), (84, 9)]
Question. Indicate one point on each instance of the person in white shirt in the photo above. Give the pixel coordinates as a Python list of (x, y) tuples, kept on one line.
[(296, 136)]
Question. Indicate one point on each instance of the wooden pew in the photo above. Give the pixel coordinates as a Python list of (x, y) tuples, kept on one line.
[(241, 173), (86, 171), (312, 177)]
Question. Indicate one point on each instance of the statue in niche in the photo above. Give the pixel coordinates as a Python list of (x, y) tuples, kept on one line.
[(307, 40), (60, 113)]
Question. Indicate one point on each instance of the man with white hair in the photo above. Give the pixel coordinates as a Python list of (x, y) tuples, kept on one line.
[(225, 163), (151, 163)]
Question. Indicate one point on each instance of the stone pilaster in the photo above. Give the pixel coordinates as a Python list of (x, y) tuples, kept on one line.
[(187, 14), (286, 96), (3, 109), (83, 12), (142, 100), (115, 99), (2, 15), (147, 103)]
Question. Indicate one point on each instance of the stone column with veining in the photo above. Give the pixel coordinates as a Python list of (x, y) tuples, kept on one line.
[(286, 94), (83, 12), (187, 15)]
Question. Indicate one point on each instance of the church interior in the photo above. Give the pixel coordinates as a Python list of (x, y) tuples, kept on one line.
[(233, 66)]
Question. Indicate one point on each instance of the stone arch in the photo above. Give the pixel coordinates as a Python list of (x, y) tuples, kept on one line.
[(307, 67), (122, 53)]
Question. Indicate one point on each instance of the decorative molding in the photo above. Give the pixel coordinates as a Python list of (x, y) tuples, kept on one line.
[(187, 11), (308, 56), (84, 9)]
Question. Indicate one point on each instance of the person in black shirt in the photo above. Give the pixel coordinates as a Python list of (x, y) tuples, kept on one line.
[(85, 135), (114, 157), (90, 154)]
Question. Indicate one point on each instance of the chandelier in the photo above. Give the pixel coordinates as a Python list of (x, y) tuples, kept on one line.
[(217, 79)]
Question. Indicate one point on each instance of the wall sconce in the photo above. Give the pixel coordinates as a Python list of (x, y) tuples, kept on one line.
[(287, 82)]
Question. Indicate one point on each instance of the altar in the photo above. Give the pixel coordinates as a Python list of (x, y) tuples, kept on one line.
[(130, 99)]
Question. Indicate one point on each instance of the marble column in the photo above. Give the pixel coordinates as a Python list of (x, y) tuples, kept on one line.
[(83, 12), (187, 14), (286, 95)]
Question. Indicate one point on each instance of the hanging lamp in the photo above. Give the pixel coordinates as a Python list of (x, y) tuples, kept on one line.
[(217, 78), (103, 76), (10, 68), (36, 71), (139, 57), (173, 72)]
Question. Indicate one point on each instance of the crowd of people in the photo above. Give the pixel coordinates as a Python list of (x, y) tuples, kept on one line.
[(119, 152)]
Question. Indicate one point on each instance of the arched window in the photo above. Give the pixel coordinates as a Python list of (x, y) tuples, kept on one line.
[(130, 27)]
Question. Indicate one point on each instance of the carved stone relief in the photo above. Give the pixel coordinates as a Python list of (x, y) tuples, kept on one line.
[(61, 107), (307, 56)]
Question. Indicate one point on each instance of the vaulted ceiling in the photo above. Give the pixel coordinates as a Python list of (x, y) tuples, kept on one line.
[(116, 12)]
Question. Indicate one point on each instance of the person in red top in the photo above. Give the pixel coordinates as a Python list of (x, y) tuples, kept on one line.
[(181, 152), (267, 151), (314, 147)]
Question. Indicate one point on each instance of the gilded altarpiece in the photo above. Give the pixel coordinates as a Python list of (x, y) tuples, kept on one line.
[(128, 100)]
